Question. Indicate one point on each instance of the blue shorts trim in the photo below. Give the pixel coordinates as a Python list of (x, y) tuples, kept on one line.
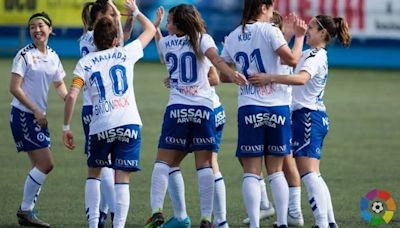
[(123, 143), (86, 118), (263, 131), (220, 119), (27, 133), (309, 130), (188, 128)]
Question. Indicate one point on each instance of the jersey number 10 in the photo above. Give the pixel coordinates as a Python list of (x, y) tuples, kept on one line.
[(118, 78)]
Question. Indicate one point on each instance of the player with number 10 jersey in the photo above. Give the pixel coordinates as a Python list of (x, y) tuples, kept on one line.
[(113, 100)]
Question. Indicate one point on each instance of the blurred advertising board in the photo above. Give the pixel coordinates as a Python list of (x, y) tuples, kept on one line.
[(64, 13), (366, 18)]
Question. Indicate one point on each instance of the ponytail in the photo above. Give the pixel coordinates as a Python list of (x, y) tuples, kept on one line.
[(87, 24), (335, 27), (342, 31), (90, 11)]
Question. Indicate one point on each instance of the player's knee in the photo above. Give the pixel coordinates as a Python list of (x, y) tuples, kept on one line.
[(49, 168)]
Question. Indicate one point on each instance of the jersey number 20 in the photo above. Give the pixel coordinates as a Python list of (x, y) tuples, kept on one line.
[(185, 58)]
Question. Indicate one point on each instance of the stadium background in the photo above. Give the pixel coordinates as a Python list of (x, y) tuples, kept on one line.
[(360, 153)]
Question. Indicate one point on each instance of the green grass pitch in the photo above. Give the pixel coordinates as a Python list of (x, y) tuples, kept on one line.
[(361, 152)]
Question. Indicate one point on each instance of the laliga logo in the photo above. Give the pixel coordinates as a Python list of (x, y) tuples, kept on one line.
[(377, 207)]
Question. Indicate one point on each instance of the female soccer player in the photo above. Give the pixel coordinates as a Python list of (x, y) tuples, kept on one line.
[(91, 13), (115, 125), (34, 68), (263, 115), (295, 216), (176, 187), (310, 121), (189, 122)]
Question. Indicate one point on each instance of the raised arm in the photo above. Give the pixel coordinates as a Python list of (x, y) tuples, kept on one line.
[(288, 26), (158, 36), (128, 26), (149, 30), (291, 57), (117, 18)]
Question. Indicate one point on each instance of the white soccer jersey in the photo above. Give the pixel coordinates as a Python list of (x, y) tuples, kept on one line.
[(38, 71), (188, 75), (215, 98), (109, 76), (286, 70), (86, 45), (254, 51), (214, 95), (314, 62)]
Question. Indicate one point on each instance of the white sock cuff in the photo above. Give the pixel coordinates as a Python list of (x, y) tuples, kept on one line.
[(217, 176), (308, 176), (173, 170), (294, 190), (93, 180), (37, 176), (275, 175), (162, 165), (204, 171), (247, 175)]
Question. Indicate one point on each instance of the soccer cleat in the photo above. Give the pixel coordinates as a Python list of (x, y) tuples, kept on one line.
[(295, 220), (102, 220), (156, 220), (175, 223), (223, 224), (29, 218), (206, 224), (281, 226), (264, 214), (333, 225)]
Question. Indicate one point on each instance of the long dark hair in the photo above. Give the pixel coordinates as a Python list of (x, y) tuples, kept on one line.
[(187, 19), (277, 19), (335, 27), (90, 11), (252, 9), (104, 33)]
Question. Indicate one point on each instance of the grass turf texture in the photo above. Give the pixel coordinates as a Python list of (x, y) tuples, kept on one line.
[(361, 151)]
